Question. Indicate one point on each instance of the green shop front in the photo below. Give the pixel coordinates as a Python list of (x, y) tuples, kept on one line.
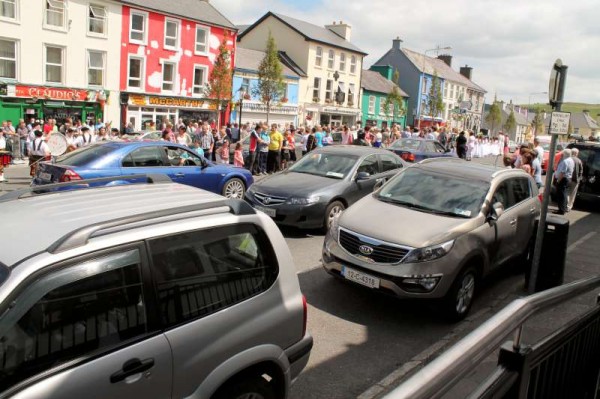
[(375, 114), (38, 102)]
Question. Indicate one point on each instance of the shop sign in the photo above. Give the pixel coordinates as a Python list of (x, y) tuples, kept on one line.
[(343, 111), (254, 107), (57, 93), (178, 102)]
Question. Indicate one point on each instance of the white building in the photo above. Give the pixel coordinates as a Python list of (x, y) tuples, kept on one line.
[(59, 59)]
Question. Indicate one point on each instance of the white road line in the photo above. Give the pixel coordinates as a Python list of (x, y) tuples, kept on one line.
[(580, 241)]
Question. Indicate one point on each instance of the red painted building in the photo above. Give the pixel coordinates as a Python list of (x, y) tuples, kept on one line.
[(167, 58)]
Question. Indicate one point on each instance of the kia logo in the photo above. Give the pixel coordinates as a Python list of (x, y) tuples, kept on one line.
[(365, 250)]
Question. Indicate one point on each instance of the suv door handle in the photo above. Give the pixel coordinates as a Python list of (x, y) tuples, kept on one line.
[(131, 367), (513, 222), (179, 174), (532, 210)]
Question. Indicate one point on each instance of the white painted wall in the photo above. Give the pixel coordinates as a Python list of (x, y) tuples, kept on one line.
[(32, 35)]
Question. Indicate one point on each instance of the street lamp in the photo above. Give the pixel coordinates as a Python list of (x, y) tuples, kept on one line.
[(438, 48), (529, 106), (242, 94)]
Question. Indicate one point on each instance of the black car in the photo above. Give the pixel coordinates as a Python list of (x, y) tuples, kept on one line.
[(589, 187), (322, 184)]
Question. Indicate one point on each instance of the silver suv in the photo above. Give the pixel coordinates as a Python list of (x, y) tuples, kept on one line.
[(435, 230), (146, 291)]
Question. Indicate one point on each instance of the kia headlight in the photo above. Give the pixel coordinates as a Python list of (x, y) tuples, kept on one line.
[(303, 201), (429, 253), (334, 227)]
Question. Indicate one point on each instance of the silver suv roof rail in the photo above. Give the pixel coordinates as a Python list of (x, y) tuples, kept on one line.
[(440, 159), (80, 184), (81, 236)]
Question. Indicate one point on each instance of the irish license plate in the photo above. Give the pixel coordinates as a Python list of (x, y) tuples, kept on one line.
[(360, 278), (46, 176), (268, 211)]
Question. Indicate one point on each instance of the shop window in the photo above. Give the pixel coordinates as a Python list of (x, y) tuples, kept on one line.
[(371, 104), (200, 74), (136, 68), (331, 59), (168, 73), (245, 87), (96, 62), (353, 64), (202, 34), (351, 94), (8, 59), (54, 64), (9, 9), (319, 57), (137, 31), (317, 90), (55, 15), (329, 90), (343, 62), (97, 20), (171, 34)]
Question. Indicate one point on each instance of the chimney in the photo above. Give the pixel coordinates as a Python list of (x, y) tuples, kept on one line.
[(447, 58), (466, 71), (397, 43), (343, 30)]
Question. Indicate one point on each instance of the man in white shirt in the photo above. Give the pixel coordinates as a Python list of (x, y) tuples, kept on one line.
[(38, 151), (539, 150), (86, 138)]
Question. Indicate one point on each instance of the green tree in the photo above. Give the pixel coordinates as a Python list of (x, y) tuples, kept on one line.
[(538, 122), (396, 76), (395, 102), (511, 123), (435, 103), (494, 116), (221, 79), (270, 88)]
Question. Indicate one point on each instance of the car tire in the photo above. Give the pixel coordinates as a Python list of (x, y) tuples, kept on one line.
[(459, 299), (333, 209), (234, 188), (247, 388)]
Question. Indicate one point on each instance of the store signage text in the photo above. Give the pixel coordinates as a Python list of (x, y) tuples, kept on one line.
[(56, 93), (254, 107), (169, 102)]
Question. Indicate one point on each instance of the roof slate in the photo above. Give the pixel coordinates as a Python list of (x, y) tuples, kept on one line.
[(250, 60), (374, 81)]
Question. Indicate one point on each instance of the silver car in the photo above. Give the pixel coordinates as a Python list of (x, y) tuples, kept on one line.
[(146, 291), (435, 230)]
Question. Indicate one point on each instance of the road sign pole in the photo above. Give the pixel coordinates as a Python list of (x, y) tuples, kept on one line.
[(556, 102)]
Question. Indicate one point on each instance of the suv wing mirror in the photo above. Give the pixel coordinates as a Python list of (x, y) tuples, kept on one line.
[(362, 176), (496, 211)]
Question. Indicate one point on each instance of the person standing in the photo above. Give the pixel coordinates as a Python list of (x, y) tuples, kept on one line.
[(346, 135), (275, 145), (252, 149), (38, 151), (238, 155), (205, 139), (86, 138), (319, 135), (263, 150), (564, 174), (575, 178), (291, 143), (461, 145), (538, 149), (235, 133)]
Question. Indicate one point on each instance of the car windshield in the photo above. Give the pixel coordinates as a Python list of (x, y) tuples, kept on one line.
[(335, 166), (85, 155), (407, 144), (435, 193)]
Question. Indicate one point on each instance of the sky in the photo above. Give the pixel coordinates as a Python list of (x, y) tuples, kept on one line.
[(511, 44)]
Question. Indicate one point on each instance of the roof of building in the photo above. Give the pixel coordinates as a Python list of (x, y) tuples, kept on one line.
[(520, 119), (250, 60), (374, 81), (579, 120), (309, 31), (197, 10), (242, 28)]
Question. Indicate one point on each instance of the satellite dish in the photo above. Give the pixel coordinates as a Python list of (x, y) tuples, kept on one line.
[(57, 143)]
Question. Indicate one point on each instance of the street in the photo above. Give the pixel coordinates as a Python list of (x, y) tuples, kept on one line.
[(361, 337)]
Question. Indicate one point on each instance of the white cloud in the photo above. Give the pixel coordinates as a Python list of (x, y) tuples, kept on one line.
[(510, 44)]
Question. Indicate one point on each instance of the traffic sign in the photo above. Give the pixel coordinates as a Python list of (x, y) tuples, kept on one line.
[(559, 123)]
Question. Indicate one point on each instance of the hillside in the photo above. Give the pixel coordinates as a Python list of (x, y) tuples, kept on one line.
[(571, 107)]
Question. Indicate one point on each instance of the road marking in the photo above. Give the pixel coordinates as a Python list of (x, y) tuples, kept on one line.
[(580, 241)]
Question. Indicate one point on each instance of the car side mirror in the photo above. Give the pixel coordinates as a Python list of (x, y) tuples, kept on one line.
[(448, 149), (496, 211), (362, 176), (378, 184), (203, 164)]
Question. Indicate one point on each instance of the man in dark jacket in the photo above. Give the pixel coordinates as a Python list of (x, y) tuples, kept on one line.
[(461, 145)]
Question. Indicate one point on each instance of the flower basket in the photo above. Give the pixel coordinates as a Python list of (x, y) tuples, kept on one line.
[(284, 100), (328, 101), (247, 96), (315, 99), (308, 117)]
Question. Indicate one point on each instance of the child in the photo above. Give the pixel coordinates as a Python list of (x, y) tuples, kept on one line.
[(238, 156), (224, 152)]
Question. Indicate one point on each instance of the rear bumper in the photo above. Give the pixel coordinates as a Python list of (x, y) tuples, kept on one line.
[(298, 355)]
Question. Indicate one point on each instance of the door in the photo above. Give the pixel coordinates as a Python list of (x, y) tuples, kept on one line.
[(144, 160), (82, 331), (502, 244), (390, 166), (526, 209), (361, 187), (184, 167)]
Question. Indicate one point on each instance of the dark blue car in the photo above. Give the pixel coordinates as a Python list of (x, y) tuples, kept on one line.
[(178, 162), (416, 149)]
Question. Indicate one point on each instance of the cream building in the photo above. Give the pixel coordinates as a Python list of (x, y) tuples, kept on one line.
[(59, 59), (330, 92)]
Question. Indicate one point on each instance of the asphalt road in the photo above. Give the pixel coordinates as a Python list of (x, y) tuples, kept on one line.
[(361, 337)]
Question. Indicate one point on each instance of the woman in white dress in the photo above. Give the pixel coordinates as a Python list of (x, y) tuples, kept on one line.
[(471, 148), (496, 148)]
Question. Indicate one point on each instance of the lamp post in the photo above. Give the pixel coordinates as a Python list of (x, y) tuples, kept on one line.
[(438, 48), (242, 94), (529, 106)]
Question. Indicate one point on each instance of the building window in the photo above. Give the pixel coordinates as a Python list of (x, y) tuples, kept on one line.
[(137, 30), (329, 90), (8, 59), (319, 57), (424, 85), (202, 34), (343, 62), (9, 9), (245, 87), (351, 94), (136, 68), (331, 59), (168, 75), (382, 110), (96, 62), (371, 104), (171, 34), (200, 74), (54, 64), (97, 20), (56, 11), (317, 90), (353, 64)]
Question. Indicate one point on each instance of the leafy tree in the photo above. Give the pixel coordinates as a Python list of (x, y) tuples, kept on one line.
[(435, 103), (538, 122), (270, 88), (220, 80), (494, 116), (511, 122), (396, 76), (394, 101)]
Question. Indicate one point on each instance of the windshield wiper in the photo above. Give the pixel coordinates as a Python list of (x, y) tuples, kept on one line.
[(448, 213), (419, 207)]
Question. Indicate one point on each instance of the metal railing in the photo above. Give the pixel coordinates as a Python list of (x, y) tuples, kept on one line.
[(435, 379)]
